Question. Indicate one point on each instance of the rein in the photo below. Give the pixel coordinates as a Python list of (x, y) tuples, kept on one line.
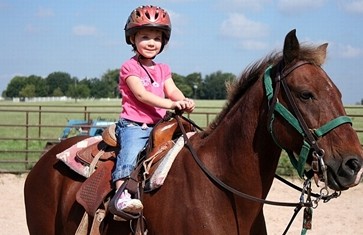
[(227, 187)]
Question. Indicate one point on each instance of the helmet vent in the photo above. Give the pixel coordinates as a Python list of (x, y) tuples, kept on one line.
[(147, 15)]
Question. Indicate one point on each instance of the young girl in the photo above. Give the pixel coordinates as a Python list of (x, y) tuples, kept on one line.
[(147, 91)]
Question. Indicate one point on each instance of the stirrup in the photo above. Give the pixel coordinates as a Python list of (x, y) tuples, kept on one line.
[(113, 206)]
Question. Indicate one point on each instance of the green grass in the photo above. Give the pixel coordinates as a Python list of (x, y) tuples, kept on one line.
[(48, 126), (54, 116)]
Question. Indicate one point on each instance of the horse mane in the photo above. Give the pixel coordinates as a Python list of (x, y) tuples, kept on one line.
[(237, 88)]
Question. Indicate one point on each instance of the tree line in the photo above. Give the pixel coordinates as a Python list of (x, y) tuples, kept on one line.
[(59, 84)]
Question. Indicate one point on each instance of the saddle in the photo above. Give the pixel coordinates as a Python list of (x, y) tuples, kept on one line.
[(98, 187)]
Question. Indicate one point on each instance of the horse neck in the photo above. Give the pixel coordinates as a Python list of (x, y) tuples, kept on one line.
[(245, 147)]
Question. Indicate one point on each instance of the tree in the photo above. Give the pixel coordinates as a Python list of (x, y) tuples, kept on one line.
[(78, 90), (28, 91), (180, 82), (110, 80), (194, 80), (19, 86), (58, 80), (214, 86), (98, 88), (61, 83), (14, 87), (83, 91), (39, 85), (57, 92)]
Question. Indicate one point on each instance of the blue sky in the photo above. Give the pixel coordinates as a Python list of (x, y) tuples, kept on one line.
[(86, 38)]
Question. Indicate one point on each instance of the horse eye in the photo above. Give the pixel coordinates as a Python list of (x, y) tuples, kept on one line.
[(306, 95)]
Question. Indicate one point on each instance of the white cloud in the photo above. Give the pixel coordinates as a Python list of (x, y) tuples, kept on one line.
[(30, 28), (249, 33), (348, 51), (253, 45), (177, 1), (177, 22), (354, 6), (44, 12), (293, 6), (3, 5), (84, 30), (238, 26), (244, 5)]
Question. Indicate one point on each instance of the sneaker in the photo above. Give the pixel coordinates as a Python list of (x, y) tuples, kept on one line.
[(126, 204), (118, 218)]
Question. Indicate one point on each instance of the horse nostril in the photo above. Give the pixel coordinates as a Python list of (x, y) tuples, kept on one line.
[(354, 165)]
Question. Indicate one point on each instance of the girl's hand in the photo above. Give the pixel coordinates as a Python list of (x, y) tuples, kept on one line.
[(190, 105), (186, 105)]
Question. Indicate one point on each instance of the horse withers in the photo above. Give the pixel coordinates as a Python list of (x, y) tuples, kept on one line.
[(283, 101)]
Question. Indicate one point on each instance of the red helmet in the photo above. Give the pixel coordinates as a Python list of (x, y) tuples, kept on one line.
[(148, 17)]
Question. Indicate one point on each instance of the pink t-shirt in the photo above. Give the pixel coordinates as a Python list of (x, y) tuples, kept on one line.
[(132, 108)]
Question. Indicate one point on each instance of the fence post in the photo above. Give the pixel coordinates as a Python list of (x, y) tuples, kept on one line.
[(40, 122), (85, 112), (27, 140)]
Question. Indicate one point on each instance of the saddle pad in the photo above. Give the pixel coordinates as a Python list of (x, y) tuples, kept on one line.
[(159, 176), (68, 156)]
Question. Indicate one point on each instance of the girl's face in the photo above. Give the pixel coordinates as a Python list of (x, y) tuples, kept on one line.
[(148, 42)]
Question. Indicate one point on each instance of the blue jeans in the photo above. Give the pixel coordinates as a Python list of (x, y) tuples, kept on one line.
[(132, 139)]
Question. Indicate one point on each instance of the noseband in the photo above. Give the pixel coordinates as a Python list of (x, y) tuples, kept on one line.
[(296, 120)]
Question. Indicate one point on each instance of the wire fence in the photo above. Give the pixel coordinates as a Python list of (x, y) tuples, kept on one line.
[(28, 131)]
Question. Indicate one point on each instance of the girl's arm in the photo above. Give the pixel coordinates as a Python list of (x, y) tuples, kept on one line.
[(174, 93), (149, 98)]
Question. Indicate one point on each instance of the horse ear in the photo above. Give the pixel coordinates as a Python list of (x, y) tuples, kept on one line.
[(321, 50), (291, 47)]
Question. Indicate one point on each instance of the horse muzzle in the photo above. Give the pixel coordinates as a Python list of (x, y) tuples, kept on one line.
[(346, 174)]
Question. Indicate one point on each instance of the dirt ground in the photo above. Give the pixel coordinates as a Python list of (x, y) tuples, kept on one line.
[(343, 215)]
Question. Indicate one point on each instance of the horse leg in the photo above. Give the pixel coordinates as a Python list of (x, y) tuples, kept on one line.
[(40, 199), (259, 225), (44, 194)]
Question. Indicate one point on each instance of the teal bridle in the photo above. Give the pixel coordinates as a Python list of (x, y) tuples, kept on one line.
[(296, 120)]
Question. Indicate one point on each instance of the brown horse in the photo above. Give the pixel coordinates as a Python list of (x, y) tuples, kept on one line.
[(241, 148)]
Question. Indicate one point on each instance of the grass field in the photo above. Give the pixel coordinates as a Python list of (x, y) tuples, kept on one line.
[(46, 120)]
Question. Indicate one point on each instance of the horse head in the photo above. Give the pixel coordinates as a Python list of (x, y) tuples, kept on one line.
[(308, 107)]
